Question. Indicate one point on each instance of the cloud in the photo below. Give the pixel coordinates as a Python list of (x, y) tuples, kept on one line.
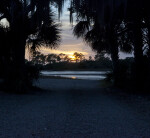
[(48, 51)]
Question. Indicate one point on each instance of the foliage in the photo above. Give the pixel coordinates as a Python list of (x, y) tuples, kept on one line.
[(127, 72), (113, 26), (78, 57), (30, 24), (39, 58), (21, 82), (103, 63), (107, 26)]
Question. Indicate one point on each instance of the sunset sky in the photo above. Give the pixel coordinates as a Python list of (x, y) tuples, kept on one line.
[(69, 43)]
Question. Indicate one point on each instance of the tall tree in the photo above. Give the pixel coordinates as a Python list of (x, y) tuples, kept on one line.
[(30, 22), (101, 35), (120, 22)]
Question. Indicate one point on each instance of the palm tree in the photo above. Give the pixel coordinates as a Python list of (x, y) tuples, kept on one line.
[(120, 25), (30, 22), (5, 51), (137, 19), (101, 38)]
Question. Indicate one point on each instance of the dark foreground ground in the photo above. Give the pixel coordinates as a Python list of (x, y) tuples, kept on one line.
[(74, 109)]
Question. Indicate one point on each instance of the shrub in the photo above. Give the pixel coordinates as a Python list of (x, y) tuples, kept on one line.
[(21, 81), (127, 75)]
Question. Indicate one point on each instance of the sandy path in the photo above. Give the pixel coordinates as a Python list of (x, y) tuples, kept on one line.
[(67, 112)]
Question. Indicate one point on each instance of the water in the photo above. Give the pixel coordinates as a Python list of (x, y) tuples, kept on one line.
[(84, 75)]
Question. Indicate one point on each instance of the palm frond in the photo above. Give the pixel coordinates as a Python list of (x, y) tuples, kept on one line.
[(81, 28)]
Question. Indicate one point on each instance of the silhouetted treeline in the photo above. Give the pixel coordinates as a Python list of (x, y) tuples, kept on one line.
[(75, 62), (40, 58), (84, 65), (107, 26)]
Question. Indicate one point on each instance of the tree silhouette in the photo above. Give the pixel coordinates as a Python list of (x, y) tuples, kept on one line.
[(107, 26), (30, 22), (78, 56), (51, 58), (113, 26), (101, 37)]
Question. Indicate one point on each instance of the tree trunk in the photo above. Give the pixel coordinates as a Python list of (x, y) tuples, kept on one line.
[(148, 27), (17, 74), (114, 54), (138, 52), (115, 61), (20, 56), (20, 52)]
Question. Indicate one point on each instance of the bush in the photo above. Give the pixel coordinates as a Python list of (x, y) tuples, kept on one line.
[(21, 81), (129, 76), (32, 73)]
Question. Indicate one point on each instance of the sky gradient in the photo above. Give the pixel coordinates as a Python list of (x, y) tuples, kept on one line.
[(69, 43)]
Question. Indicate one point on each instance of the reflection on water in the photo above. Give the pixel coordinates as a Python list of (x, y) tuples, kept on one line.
[(73, 78), (85, 75), (74, 72)]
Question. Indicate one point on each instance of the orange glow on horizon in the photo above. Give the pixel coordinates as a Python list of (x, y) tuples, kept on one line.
[(72, 57)]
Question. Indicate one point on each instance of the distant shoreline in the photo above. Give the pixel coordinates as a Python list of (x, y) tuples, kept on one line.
[(79, 70), (85, 75)]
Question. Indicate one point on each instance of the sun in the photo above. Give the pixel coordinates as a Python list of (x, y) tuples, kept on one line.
[(72, 57)]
